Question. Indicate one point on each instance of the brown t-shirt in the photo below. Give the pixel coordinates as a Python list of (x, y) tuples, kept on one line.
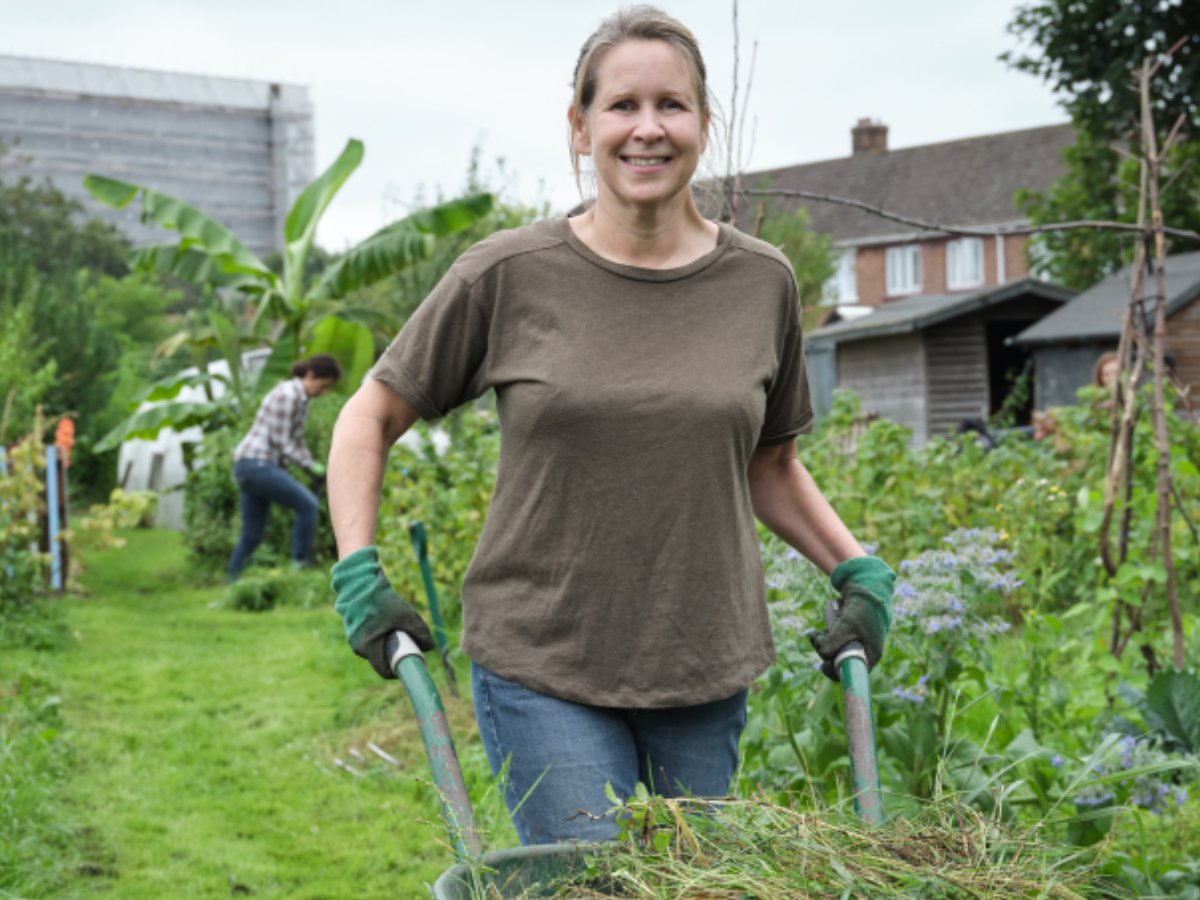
[(619, 564)]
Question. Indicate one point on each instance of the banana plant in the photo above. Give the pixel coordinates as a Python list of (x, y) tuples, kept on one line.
[(292, 313)]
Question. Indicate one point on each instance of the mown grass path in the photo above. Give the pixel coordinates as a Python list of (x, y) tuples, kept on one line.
[(204, 739)]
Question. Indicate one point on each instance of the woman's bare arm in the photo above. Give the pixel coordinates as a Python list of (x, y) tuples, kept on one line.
[(370, 422), (787, 500)]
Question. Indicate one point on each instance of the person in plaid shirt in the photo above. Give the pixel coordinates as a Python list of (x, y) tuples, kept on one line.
[(275, 439)]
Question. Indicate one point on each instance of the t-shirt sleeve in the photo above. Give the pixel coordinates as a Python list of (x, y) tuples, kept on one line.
[(789, 410), (437, 361)]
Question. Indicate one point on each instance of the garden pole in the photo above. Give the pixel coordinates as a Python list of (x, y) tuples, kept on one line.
[(56, 573), (409, 666), (851, 666), (420, 543)]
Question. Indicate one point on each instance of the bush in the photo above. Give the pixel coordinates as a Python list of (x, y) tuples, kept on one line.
[(22, 565)]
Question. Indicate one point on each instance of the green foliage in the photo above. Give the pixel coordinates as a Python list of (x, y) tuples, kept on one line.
[(1172, 706), (260, 589), (38, 221), (449, 492), (35, 831), (812, 255), (1087, 52), (25, 374), (286, 305), (22, 566), (124, 510)]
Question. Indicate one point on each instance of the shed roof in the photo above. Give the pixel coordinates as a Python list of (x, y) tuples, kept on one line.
[(965, 182), (1097, 313), (920, 312)]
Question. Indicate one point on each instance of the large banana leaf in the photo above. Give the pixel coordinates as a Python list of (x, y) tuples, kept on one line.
[(301, 224), (349, 343), (149, 422), (399, 245), (196, 230), (168, 388), (279, 363)]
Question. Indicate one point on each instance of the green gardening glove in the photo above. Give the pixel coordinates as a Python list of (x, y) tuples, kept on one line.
[(865, 583), (371, 609)]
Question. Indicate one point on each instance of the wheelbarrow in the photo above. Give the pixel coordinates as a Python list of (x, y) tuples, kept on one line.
[(533, 871)]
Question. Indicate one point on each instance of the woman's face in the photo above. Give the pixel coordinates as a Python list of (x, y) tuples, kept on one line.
[(646, 128)]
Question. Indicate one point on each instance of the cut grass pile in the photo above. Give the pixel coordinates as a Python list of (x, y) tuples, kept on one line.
[(731, 850)]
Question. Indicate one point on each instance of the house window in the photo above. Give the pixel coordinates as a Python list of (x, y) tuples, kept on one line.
[(964, 263), (904, 269), (842, 286)]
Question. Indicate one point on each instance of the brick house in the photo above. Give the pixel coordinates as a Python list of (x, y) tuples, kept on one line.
[(970, 181)]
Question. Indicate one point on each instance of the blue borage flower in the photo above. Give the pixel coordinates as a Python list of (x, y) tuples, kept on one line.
[(939, 587), (1147, 790)]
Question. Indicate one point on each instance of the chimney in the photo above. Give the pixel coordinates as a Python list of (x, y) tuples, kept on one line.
[(868, 137)]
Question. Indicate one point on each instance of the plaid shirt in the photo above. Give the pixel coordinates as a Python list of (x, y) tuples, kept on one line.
[(278, 431)]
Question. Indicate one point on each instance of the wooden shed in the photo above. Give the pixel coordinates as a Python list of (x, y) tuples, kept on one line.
[(931, 362), (1066, 343)]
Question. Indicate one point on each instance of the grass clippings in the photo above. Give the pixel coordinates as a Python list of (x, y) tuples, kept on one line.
[(731, 850)]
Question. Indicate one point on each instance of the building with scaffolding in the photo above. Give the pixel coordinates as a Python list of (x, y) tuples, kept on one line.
[(239, 150)]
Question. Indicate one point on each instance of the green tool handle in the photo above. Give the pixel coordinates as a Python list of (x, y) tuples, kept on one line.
[(409, 666), (416, 532), (851, 665)]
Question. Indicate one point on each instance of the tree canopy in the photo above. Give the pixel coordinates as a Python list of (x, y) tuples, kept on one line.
[(1088, 51)]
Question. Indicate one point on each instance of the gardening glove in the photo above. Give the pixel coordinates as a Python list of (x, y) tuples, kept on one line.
[(371, 609), (865, 583)]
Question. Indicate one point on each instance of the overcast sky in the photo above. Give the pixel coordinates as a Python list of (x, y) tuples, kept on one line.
[(422, 83)]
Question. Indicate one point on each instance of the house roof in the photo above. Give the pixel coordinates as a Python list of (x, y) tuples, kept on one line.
[(920, 312), (1097, 313), (964, 182)]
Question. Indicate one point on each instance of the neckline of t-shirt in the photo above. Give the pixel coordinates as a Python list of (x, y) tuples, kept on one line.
[(724, 239)]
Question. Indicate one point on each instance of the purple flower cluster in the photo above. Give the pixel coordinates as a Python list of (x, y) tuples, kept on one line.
[(1146, 790), (915, 694), (939, 589)]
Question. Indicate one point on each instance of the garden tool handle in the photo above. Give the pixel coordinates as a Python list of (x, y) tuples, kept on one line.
[(409, 665), (851, 666), (852, 650)]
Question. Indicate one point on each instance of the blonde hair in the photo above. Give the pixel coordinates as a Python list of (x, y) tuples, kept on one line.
[(634, 23)]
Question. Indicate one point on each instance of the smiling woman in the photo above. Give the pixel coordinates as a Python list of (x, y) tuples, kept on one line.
[(649, 375)]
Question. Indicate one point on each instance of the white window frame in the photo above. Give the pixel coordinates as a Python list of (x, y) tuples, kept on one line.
[(964, 263), (842, 286), (903, 265)]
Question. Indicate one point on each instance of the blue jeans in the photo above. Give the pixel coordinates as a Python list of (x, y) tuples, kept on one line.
[(561, 755), (260, 484)]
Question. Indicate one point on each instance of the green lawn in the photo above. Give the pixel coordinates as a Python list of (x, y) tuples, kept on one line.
[(203, 742)]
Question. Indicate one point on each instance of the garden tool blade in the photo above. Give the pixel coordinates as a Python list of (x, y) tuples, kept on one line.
[(416, 531)]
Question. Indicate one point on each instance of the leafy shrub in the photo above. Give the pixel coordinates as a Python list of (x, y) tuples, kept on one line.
[(450, 492), (22, 566)]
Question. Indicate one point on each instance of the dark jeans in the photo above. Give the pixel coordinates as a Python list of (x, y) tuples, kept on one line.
[(560, 755), (260, 484)]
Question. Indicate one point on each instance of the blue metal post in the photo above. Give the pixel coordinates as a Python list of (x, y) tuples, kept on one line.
[(56, 573)]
